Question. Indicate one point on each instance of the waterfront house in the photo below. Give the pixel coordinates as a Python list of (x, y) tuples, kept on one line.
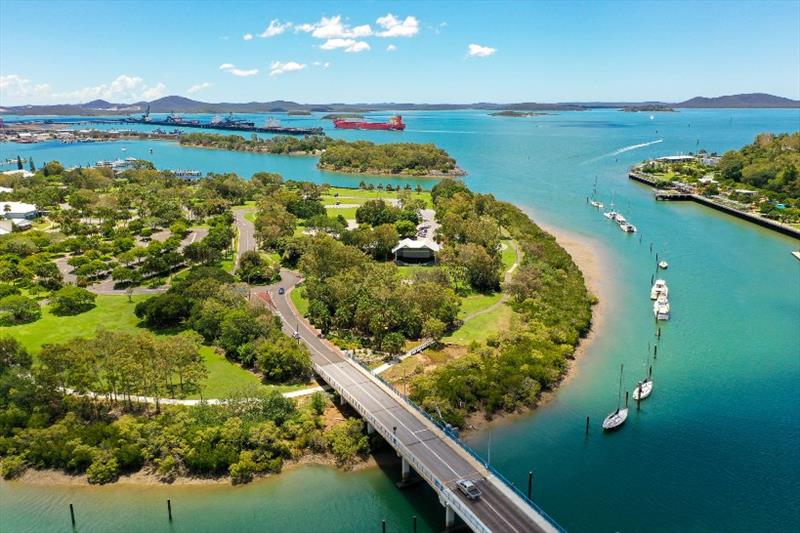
[(415, 251), (6, 189), (12, 210)]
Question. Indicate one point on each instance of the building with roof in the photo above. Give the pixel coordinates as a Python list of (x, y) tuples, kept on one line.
[(416, 251), (13, 210)]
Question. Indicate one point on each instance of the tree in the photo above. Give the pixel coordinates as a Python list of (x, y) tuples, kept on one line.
[(434, 329), (13, 353), (281, 358), (31, 165), (19, 163), (406, 229), (18, 309), (72, 300), (347, 441), (165, 310), (393, 343), (253, 268), (53, 168), (385, 238)]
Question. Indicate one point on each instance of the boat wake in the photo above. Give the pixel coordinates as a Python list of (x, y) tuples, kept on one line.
[(626, 149)]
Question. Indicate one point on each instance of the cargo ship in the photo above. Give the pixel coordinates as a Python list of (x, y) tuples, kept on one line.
[(223, 123), (395, 123)]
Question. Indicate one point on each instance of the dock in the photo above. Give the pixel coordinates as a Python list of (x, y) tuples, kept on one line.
[(684, 194)]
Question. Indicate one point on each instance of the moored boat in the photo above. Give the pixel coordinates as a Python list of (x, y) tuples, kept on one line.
[(618, 417), (394, 123), (659, 288), (663, 265), (643, 389), (661, 308)]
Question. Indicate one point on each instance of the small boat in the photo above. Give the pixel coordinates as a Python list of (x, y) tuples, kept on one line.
[(659, 288), (611, 215), (618, 417), (661, 308), (627, 228), (643, 389), (596, 204), (663, 265)]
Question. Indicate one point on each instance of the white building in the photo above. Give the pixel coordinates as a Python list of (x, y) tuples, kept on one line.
[(25, 173), (13, 210), (415, 251)]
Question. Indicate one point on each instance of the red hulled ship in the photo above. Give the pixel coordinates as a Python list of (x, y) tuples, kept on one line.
[(395, 123)]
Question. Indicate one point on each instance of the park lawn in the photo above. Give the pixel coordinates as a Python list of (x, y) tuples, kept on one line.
[(482, 326), (477, 301), (111, 312), (115, 313), (348, 213), (298, 297), (365, 194), (508, 255), (408, 271), (426, 361), (251, 216), (249, 203)]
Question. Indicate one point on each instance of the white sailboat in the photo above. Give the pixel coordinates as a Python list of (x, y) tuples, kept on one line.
[(644, 387), (618, 417), (663, 265)]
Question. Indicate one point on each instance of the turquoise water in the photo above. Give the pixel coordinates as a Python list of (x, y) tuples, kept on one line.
[(715, 448)]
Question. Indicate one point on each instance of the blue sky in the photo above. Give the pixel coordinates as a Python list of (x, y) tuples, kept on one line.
[(321, 52)]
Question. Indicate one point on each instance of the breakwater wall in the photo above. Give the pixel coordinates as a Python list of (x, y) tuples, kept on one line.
[(681, 195)]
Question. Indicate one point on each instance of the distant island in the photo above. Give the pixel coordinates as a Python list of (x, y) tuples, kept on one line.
[(301, 112), (180, 104), (740, 101), (509, 113), (337, 116), (650, 108)]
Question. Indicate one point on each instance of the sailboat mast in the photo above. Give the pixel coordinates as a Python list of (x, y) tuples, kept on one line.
[(619, 394)]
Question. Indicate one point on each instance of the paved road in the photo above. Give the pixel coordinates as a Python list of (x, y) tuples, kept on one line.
[(498, 508), (247, 232)]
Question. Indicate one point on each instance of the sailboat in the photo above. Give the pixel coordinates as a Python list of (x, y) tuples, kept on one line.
[(611, 215), (593, 202), (644, 387), (618, 417)]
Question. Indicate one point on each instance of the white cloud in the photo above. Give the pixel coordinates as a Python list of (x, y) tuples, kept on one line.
[(275, 28), (476, 50), (15, 86), (247, 36), (123, 88), (320, 64), (391, 48), (197, 88), (394, 27), (290, 66), (334, 28), (349, 45), (242, 73)]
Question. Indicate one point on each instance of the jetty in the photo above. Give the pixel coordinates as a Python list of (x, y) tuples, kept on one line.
[(680, 192)]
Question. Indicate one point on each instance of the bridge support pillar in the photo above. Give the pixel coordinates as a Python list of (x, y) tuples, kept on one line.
[(449, 517), (370, 429), (406, 469)]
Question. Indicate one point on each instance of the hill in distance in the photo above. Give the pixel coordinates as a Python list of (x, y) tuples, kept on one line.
[(180, 104)]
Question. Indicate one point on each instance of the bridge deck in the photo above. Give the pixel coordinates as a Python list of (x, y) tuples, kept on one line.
[(432, 454)]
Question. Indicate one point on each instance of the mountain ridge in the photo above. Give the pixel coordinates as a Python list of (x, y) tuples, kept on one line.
[(182, 104)]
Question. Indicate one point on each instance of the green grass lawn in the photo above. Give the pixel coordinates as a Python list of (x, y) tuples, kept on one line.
[(482, 326), (476, 301), (508, 255), (115, 313), (348, 213), (363, 194), (251, 216), (299, 300)]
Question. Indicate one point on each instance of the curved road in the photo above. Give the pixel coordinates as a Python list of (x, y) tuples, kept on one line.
[(498, 508)]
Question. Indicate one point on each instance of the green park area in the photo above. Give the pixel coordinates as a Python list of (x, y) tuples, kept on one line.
[(116, 313)]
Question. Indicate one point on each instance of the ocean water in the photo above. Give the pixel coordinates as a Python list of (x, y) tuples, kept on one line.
[(716, 446)]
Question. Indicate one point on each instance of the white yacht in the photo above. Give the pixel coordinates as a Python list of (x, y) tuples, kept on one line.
[(659, 288), (611, 215), (627, 228), (618, 417), (663, 265), (661, 308), (596, 204), (643, 389)]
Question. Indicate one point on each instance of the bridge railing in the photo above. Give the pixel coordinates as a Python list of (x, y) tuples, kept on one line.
[(447, 495), (453, 435)]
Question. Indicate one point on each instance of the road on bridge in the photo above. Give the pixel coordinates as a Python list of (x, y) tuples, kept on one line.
[(498, 508)]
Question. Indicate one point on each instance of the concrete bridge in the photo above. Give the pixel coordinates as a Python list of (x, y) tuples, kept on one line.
[(436, 455)]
